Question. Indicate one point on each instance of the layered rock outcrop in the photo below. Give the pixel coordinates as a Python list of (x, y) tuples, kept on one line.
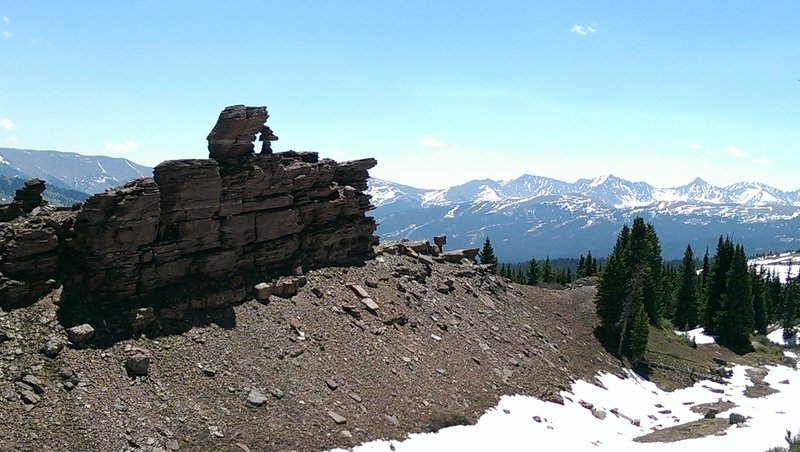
[(222, 221)]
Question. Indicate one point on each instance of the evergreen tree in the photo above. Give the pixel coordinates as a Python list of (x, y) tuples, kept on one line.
[(669, 284), (519, 276), (653, 290), (687, 313), (716, 284), (775, 297), (547, 271), (633, 319), (704, 275), (637, 339), (590, 265), (791, 306), (486, 255), (569, 275), (736, 316), (580, 272), (595, 268), (532, 273), (612, 288), (759, 290)]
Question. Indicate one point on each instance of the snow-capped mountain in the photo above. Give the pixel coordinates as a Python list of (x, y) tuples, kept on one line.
[(534, 215), (69, 170)]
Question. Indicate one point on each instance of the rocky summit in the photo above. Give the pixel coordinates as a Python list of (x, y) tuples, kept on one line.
[(203, 227)]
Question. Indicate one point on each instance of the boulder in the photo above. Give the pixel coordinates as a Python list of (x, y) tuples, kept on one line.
[(137, 361), (80, 333)]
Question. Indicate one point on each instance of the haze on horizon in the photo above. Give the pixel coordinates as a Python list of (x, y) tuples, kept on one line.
[(440, 94)]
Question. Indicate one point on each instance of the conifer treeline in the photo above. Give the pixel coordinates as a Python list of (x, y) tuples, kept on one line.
[(536, 272), (726, 298)]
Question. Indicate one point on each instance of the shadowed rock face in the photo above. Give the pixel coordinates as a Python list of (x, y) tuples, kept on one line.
[(201, 220)]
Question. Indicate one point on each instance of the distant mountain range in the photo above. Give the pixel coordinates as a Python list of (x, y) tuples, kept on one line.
[(70, 176), (538, 216)]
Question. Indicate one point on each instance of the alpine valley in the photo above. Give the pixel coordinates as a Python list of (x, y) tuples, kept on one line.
[(534, 216)]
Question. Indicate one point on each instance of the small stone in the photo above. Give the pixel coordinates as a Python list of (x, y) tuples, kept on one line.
[(29, 397), (317, 293), (69, 386), (331, 384), (339, 419), (4, 337), (736, 418), (277, 393), (599, 414), (392, 420), (209, 372), (784, 382), (34, 383), (358, 290), (354, 396), (346, 433), (507, 411), (711, 413), (137, 361), (370, 304), (66, 373), (52, 347), (256, 397), (371, 281), (537, 419), (262, 291), (80, 333), (172, 444)]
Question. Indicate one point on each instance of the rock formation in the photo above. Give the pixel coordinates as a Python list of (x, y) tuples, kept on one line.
[(25, 200), (200, 229)]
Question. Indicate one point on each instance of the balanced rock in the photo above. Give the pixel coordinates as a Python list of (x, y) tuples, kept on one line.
[(235, 131)]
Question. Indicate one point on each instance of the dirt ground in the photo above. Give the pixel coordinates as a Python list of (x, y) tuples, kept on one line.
[(308, 373)]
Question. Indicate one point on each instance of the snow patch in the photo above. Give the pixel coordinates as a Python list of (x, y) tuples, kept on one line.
[(698, 336), (520, 423)]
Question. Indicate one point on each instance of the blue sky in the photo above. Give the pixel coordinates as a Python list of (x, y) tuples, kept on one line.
[(439, 93)]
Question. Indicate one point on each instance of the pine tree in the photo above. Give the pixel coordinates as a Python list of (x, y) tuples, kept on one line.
[(716, 284), (486, 255), (590, 265), (612, 287), (759, 290), (532, 273), (547, 271), (791, 306), (736, 316), (580, 272), (775, 296), (687, 313), (519, 276), (638, 336)]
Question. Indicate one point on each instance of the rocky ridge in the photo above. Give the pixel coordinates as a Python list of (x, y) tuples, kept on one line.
[(198, 232), (395, 345)]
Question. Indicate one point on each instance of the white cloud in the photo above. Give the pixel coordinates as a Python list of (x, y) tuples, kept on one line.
[(694, 146), (428, 141), (11, 140), (583, 30), (734, 151), (7, 34), (7, 124), (761, 161), (6, 20), (125, 146)]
